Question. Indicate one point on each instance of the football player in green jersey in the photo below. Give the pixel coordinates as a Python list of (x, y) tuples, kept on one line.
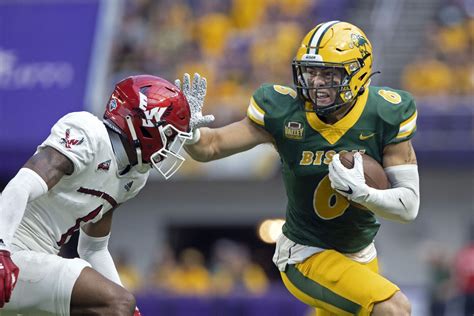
[(326, 253)]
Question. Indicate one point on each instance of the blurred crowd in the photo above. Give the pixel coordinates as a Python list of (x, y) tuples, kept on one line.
[(444, 64), (239, 44), (228, 270), (236, 44), (451, 275)]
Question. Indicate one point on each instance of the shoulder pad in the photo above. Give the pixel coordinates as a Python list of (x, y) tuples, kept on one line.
[(77, 136), (267, 100), (397, 108)]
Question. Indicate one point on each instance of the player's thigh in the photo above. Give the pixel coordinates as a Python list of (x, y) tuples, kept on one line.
[(44, 284), (93, 290), (335, 283)]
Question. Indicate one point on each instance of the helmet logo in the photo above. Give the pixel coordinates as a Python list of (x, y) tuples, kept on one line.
[(112, 105), (150, 115), (360, 42)]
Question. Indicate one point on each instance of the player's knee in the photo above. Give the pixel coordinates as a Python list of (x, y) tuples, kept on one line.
[(121, 303), (397, 305)]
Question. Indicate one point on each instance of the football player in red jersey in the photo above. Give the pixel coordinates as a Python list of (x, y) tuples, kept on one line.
[(78, 176)]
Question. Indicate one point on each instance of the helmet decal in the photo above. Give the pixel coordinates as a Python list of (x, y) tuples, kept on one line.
[(360, 42), (318, 34), (112, 104), (150, 115)]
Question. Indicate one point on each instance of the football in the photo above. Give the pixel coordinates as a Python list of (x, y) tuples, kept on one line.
[(374, 174)]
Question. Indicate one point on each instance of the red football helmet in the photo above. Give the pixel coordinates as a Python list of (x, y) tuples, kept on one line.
[(154, 116)]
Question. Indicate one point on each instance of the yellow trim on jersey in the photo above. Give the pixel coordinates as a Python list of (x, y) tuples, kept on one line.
[(408, 126), (333, 132), (255, 113)]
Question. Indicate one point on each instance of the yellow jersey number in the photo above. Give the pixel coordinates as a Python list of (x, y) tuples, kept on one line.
[(391, 96), (327, 203), (285, 91)]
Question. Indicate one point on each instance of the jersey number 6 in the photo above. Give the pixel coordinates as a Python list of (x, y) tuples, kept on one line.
[(327, 203)]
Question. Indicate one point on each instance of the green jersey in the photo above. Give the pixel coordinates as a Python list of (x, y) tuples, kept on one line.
[(316, 215)]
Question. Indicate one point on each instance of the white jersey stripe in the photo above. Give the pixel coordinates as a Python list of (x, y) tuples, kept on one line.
[(255, 112), (408, 126)]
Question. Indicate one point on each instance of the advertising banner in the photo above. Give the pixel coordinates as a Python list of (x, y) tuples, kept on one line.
[(46, 49)]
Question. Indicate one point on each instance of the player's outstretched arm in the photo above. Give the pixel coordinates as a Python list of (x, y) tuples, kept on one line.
[(42, 171), (228, 140)]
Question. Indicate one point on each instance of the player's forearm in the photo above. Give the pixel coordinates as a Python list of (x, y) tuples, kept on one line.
[(202, 150), (217, 143), (401, 203), (95, 251), (26, 186)]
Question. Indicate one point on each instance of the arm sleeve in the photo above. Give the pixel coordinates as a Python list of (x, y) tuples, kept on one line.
[(26, 186), (95, 251), (402, 201)]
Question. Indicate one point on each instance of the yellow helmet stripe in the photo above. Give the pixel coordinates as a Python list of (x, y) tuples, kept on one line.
[(318, 34)]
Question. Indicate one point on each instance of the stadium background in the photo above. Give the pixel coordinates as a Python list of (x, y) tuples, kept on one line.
[(192, 245)]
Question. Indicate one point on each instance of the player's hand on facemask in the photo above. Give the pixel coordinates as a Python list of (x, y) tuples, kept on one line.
[(195, 94), (349, 182), (8, 275)]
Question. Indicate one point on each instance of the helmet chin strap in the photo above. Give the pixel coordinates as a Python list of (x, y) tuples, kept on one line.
[(136, 143)]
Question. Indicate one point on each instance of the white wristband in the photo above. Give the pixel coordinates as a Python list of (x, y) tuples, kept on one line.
[(195, 139)]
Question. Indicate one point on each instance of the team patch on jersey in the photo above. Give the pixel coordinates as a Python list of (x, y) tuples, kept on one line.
[(128, 186), (294, 130), (104, 165), (68, 142)]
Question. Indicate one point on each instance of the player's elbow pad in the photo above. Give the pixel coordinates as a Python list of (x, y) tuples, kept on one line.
[(88, 246), (25, 187), (95, 251), (27, 183), (400, 203)]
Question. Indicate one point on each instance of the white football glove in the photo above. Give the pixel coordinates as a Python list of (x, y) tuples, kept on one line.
[(349, 182), (195, 95)]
